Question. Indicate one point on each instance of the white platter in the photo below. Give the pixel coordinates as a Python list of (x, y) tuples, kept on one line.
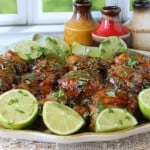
[(76, 138)]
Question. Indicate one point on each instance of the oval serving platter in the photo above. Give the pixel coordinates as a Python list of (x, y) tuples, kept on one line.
[(46, 136), (76, 138)]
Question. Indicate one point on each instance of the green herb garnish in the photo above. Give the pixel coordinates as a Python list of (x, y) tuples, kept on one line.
[(128, 118), (1, 83), (13, 101), (84, 101), (120, 122), (60, 94), (86, 115), (112, 92), (132, 62), (20, 111), (110, 110), (22, 93), (97, 110), (82, 81)]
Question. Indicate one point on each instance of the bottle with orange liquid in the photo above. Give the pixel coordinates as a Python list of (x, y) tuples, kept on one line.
[(80, 26)]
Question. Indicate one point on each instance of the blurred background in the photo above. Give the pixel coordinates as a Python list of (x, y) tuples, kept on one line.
[(10, 6)]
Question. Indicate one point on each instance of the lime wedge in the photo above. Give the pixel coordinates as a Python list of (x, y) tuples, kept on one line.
[(82, 50), (111, 46), (113, 119), (61, 119), (19, 108), (28, 49), (57, 48), (54, 47), (144, 102)]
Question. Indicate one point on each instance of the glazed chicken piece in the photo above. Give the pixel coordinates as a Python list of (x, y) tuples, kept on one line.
[(135, 61), (17, 62), (110, 97), (114, 97), (6, 81), (131, 72), (132, 59), (11, 66), (6, 66), (79, 63), (42, 77), (39, 88), (79, 84), (7, 74), (126, 78), (48, 66)]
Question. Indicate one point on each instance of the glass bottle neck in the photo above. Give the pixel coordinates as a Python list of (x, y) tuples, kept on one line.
[(111, 13), (82, 11), (110, 18)]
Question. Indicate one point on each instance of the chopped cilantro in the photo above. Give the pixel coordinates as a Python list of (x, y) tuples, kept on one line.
[(85, 114), (120, 82), (112, 92), (22, 93), (82, 81), (20, 111), (120, 122), (1, 83), (12, 101), (128, 118), (72, 103), (103, 50), (132, 62), (40, 110), (10, 122), (99, 109), (131, 84), (120, 44), (84, 101), (107, 42), (30, 76), (110, 110), (28, 82), (124, 73), (146, 85), (60, 94), (97, 102)]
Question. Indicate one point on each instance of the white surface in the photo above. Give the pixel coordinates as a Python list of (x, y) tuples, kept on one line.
[(10, 35)]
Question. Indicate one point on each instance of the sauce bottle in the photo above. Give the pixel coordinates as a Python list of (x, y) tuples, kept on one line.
[(110, 25), (81, 24), (139, 25)]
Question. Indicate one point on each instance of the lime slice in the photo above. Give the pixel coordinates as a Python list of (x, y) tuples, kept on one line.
[(113, 119), (18, 109), (111, 46), (57, 48), (54, 47), (82, 50), (61, 119), (144, 102), (29, 49)]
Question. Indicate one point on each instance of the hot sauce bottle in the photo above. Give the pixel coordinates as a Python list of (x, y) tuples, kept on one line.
[(110, 25), (79, 27)]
